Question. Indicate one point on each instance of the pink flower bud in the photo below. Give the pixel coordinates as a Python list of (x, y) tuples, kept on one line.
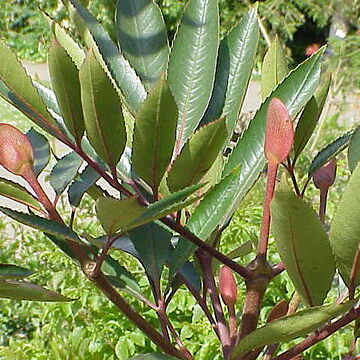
[(325, 176), (16, 153), (227, 286), (279, 133)]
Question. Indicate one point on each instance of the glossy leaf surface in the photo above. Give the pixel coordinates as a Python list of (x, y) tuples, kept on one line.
[(154, 135), (354, 150), (274, 68), (192, 65), (345, 228), (303, 245), (198, 155), (123, 74), (142, 38), (289, 327), (103, 116), (10, 271), (41, 149), (67, 89), (294, 92)]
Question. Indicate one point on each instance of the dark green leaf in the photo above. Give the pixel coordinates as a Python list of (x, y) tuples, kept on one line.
[(345, 228), (67, 89), (303, 245), (329, 152), (154, 135), (192, 65), (198, 155), (41, 147), (124, 76), (64, 171), (153, 356), (274, 68), (81, 184), (206, 217), (234, 64), (18, 193), (142, 38), (294, 92), (104, 120), (310, 117), (152, 243), (9, 271), (354, 150), (21, 91), (289, 327), (42, 224), (25, 291)]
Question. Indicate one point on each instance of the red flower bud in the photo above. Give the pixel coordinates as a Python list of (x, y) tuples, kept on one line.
[(279, 134), (227, 286), (325, 176), (16, 153)]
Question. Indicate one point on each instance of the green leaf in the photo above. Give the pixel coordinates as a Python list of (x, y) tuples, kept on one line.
[(274, 68), (103, 115), (41, 147), (48, 96), (123, 74), (192, 65), (21, 91), (116, 214), (310, 116), (154, 135), (345, 228), (142, 37), (64, 172), (234, 65), (153, 356), (16, 192), (67, 89), (10, 271), (82, 184), (294, 92), (303, 245), (198, 155), (329, 152), (152, 243), (289, 327), (73, 49), (25, 291), (206, 218), (354, 150), (42, 224)]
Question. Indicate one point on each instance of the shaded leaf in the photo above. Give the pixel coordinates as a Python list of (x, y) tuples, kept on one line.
[(152, 244), (25, 291), (81, 184), (354, 150), (48, 97), (303, 245), (329, 152), (103, 116), (142, 38), (294, 92), (310, 116), (192, 65), (234, 66), (153, 356), (64, 172), (10, 271), (289, 327), (198, 155), (18, 193), (41, 148), (345, 228), (123, 74), (154, 135), (274, 68), (67, 89)]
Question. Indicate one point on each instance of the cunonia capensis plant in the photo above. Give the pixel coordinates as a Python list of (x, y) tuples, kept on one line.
[(153, 121)]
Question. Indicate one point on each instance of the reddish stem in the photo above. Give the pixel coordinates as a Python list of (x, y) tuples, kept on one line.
[(323, 201), (354, 273)]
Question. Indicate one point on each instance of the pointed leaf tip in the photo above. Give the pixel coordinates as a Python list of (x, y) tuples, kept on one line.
[(279, 134)]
